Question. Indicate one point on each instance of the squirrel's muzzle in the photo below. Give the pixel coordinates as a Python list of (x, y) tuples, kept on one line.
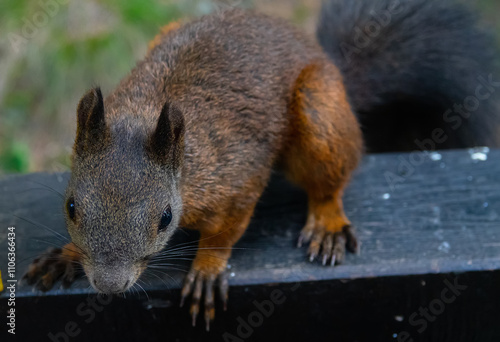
[(111, 279)]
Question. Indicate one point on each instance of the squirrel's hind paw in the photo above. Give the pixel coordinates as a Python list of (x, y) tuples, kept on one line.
[(331, 244)]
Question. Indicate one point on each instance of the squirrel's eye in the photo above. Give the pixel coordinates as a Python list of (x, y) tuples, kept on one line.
[(70, 206), (166, 218)]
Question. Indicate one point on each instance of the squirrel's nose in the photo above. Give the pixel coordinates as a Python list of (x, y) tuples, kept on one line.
[(110, 286), (111, 281)]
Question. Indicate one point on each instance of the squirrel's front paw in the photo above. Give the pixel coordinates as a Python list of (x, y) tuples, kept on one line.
[(331, 244), (54, 264), (202, 280)]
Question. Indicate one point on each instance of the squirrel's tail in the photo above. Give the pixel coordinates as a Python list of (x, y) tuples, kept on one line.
[(420, 74)]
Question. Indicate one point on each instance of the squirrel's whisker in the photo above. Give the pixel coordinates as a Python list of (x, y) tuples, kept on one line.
[(64, 238), (148, 272), (48, 188), (167, 266), (168, 275), (142, 288)]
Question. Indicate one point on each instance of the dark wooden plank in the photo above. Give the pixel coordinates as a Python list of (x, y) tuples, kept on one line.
[(362, 310), (442, 217)]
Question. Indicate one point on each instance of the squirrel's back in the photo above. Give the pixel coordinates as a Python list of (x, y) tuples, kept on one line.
[(232, 74)]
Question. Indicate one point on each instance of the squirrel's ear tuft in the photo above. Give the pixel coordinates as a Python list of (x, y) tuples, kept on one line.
[(166, 143), (91, 125)]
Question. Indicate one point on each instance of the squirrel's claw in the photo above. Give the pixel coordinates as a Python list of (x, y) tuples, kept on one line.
[(47, 269), (223, 289), (331, 244), (333, 248), (200, 284), (188, 285), (352, 243), (209, 300)]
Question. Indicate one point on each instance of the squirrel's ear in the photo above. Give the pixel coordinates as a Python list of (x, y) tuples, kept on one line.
[(166, 143), (91, 125)]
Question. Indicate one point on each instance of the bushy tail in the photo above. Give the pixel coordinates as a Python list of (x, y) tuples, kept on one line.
[(420, 74)]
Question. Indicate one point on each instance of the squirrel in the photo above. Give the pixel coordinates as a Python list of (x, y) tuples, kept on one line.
[(189, 138)]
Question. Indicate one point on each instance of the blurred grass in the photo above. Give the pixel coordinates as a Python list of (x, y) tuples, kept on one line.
[(75, 46), (78, 44)]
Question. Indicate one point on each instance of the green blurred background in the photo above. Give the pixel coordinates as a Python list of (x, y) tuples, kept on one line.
[(51, 51)]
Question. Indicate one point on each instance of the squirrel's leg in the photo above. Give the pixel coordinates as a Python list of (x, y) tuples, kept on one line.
[(325, 147), (217, 237), (54, 264)]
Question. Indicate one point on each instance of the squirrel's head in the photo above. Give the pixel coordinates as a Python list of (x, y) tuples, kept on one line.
[(123, 202)]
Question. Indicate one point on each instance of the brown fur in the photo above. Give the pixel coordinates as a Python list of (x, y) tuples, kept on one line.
[(324, 148), (163, 31), (254, 93)]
